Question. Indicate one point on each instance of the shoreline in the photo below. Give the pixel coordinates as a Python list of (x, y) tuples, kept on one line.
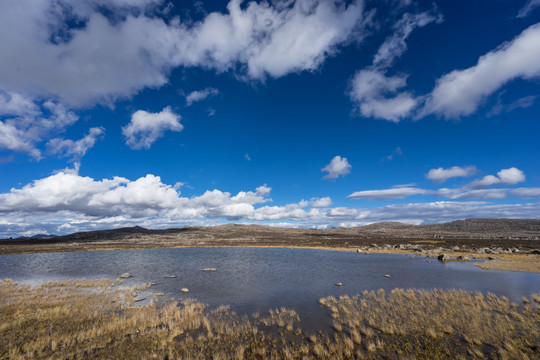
[(502, 262), (95, 319)]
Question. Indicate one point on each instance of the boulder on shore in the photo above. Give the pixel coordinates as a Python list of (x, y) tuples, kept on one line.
[(443, 257)]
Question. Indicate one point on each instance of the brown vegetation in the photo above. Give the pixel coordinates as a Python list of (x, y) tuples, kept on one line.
[(525, 266), (98, 319)]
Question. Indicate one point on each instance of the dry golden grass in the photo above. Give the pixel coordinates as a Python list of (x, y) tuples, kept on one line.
[(525, 266), (98, 319), (439, 324)]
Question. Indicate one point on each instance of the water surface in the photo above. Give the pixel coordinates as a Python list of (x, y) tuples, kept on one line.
[(258, 279)]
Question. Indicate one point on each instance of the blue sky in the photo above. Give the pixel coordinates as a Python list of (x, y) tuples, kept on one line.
[(288, 113)]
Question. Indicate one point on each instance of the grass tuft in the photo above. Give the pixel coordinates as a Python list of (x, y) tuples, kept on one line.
[(98, 319)]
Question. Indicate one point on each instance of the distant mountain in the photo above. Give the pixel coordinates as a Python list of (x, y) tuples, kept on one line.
[(38, 236), (470, 228), (521, 226), (394, 225)]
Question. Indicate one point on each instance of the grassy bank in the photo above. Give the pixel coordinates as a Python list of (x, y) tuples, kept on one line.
[(97, 319), (524, 266)]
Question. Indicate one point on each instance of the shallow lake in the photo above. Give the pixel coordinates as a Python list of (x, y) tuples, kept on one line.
[(258, 279)]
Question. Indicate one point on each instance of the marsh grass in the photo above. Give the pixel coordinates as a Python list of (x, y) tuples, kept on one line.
[(98, 319), (525, 266), (439, 324)]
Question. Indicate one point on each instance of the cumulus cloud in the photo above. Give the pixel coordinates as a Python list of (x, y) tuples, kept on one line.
[(376, 95), (528, 8), (75, 149), (146, 196), (145, 127), (134, 48), (486, 181), (460, 92), (441, 175), (321, 202), (337, 167), (67, 202), (509, 176), (25, 123), (199, 95)]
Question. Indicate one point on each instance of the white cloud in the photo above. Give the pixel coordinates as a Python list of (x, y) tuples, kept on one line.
[(474, 190), (394, 46), (477, 194), (321, 202), (133, 47), (376, 95), (199, 95), (441, 175), (526, 193), (146, 196), (338, 166), (387, 194), (528, 8), (75, 149), (111, 59), (17, 105), (509, 176), (145, 128), (460, 92), (68, 202), (138, 49), (25, 123), (486, 181), (440, 211)]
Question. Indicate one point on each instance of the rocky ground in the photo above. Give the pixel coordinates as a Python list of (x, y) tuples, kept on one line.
[(478, 236)]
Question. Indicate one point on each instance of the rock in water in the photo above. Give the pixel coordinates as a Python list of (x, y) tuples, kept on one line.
[(339, 284), (388, 276), (209, 269), (184, 290), (125, 275), (443, 257), (463, 258)]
